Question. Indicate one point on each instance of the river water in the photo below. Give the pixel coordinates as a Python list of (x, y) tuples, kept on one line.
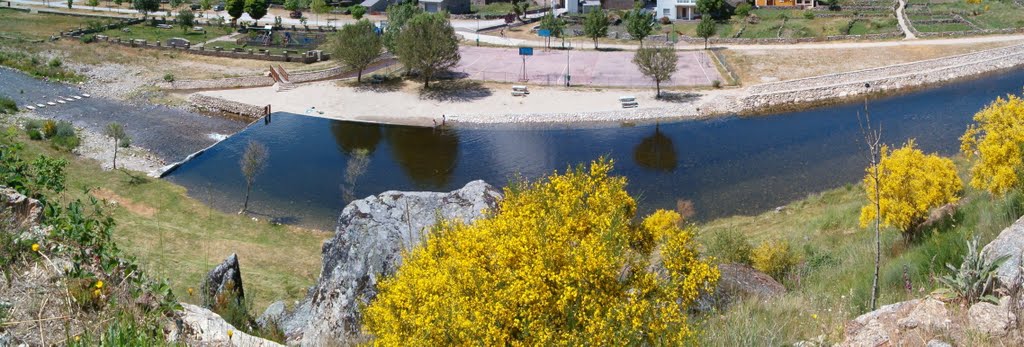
[(724, 166)]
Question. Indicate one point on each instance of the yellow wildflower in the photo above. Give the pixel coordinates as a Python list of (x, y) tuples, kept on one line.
[(230, 333), (99, 284), (35, 247), (96, 293)]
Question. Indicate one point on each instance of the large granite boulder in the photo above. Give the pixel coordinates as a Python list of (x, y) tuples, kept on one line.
[(370, 238), (1009, 242), (738, 281), (224, 281), (197, 326)]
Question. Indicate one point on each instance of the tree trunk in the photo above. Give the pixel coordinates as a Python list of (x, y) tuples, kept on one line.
[(115, 154), (426, 81), (705, 43), (657, 86), (359, 76), (595, 43), (878, 240), (245, 204)]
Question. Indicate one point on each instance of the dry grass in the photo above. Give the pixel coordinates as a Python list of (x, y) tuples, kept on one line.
[(760, 66), (36, 26)]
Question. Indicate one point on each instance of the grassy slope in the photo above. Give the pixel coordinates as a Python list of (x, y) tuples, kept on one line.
[(833, 284), (29, 26), (178, 237)]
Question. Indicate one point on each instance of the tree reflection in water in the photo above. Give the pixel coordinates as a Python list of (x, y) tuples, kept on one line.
[(656, 152), (427, 155), (351, 136)]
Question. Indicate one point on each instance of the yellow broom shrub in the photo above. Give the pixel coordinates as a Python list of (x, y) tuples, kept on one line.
[(996, 141), (911, 184), (561, 262)]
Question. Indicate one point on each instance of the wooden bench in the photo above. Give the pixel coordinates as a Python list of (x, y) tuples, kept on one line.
[(628, 101), (520, 91)]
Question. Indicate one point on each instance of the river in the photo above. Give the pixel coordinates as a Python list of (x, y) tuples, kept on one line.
[(724, 166)]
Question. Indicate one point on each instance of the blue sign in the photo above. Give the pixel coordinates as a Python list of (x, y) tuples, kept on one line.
[(525, 50), (544, 32)]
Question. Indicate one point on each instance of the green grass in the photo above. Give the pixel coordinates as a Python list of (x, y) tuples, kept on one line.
[(37, 66), (941, 27), (834, 281), (874, 26), (152, 34), (229, 45), (36, 26), (179, 238)]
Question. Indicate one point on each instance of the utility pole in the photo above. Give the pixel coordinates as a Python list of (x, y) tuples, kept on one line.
[(567, 76)]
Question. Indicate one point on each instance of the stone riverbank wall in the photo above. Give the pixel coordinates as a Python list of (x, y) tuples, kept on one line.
[(889, 78), (215, 104)]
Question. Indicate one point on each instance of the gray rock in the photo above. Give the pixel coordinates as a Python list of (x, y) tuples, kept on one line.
[(24, 211), (225, 277), (991, 319), (370, 237), (198, 326), (929, 314), (938, 343), (273, 313), (1009, 242), (737, 281)]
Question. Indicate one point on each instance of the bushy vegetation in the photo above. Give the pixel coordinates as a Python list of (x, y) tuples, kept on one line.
[(7, 105), (774, 258), (729, 246), (34, 65), (560, 262), (996, 141), (101, 278), (910, 184), (61, 134)]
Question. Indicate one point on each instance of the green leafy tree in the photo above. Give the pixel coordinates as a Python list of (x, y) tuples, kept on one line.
[(92, 3), (658, 63), (357, 46), (744, 8), (318, 7), (253, 161), (235, 10), (706, 29), (118, 2), (428, 44), (553, 24), (398, 15), (595, 25), (206, 5), (186, 19), (176, 3), (519, 8), (357, 11), (146, 6), (256, 8), (713, 8), (292, 5), (116, 132), (640, 24)]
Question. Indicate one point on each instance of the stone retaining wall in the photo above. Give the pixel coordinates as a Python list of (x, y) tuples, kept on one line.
[(896, 77), (214, 104), (220, 83), (244, 54), (789, 41)]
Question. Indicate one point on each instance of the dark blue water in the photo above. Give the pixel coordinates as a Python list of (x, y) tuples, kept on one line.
[(725, 166)]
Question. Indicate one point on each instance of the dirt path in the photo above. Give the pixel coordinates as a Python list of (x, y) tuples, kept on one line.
[(907, 33)]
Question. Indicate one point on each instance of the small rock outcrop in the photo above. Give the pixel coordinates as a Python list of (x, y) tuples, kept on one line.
[(197, 326), (370, 237), (224, 280), (1009, 242), (22, 210), (738, 281), (994, 320), (272, 314)]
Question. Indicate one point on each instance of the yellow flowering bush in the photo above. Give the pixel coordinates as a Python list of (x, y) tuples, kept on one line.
[(911, 184), (774, 258), (559, 263), (996, 140)]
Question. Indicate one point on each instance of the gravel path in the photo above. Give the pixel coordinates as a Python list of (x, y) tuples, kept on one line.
[(171, 134), (901, 16)]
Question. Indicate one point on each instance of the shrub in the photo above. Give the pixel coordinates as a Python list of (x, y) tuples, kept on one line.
[(808, 14), (774, 258), (974, 280), (7, 105), (33, 124), (55, 63), (996, 141), (49, 128), (64, 129), (88, 38), (34, 134), (743, 9), (716, 84), (169, 77), (560, 262), (730, 246), (665, 21), (911, 185), (64, 137)]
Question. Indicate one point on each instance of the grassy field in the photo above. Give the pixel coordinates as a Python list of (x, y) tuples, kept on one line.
[(497, 9), (151, 33), (999, 14), (832, 285), (177, 237), (36, 26), (941, 27), (796, 25), (229, 45)]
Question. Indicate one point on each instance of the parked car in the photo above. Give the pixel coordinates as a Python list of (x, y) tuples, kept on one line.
[(295, 14), (194, 7), (218, 7)]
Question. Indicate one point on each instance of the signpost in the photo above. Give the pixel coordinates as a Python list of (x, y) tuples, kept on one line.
[(525, 51)]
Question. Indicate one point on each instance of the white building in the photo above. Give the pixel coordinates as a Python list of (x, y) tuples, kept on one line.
[(676, 9)]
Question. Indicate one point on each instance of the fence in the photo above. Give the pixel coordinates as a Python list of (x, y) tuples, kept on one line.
[(558, 79)]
